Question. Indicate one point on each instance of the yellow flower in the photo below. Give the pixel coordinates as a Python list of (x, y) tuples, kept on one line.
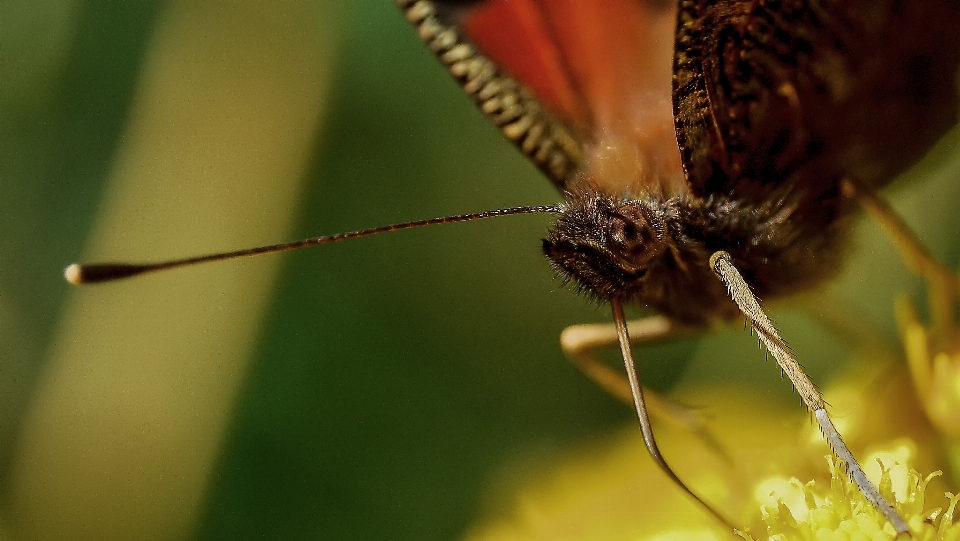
[(815, 512), (934, 361), (612, 491)]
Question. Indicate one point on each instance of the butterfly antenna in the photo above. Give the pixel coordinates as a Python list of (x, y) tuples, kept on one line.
[(103, 272), (741, 294), (641, 408)]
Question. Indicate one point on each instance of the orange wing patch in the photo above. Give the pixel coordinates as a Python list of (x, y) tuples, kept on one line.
[(604, 66)]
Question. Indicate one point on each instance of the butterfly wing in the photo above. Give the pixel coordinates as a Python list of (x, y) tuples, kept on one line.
[(800, 95), (756, 96), (601, 70)]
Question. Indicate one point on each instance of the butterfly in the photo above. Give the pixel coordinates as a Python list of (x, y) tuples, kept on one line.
[(776, 106), (765, 99)]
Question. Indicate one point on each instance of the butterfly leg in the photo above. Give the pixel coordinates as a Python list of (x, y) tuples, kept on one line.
[(640, 407), (932, 351), (581, 342), (749, 305), (942, 284)]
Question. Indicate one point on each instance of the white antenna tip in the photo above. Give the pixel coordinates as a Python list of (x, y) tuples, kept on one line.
[(73, 274)]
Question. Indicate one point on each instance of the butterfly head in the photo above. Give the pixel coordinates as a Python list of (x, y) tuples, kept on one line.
[(605, 245)]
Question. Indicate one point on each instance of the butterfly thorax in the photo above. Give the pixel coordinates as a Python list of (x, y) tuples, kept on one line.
[(655, 250)]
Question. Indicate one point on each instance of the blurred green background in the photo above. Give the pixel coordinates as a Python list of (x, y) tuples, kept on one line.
[(385, 388)]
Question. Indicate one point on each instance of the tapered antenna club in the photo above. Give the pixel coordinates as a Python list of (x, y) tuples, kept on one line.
[(78, 274)]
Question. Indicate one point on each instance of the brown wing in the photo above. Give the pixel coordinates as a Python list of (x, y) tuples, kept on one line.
[(800, 94), (601, 68)]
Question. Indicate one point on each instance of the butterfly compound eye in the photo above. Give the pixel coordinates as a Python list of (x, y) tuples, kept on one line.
[(636, 233)]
